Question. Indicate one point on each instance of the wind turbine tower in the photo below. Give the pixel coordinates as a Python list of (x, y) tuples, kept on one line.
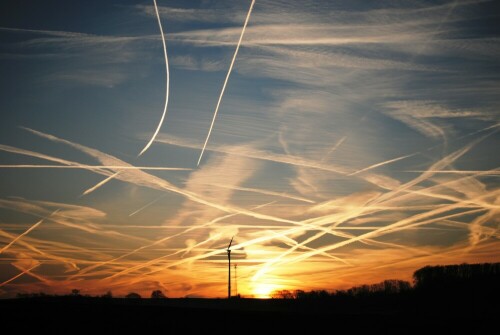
[(229, 269), (236, 280)]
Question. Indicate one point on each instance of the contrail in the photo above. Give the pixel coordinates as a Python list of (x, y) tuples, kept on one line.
[(335, 147), (19, 275), (144, 179), (34, 275), (376, 232), (147, 205), (95, 187), (477, 172), (226, 80), (41, 252), (21, 235), (241, 226), (262, 155), (168, 83), (90, 167), (266, 192), (206, 255), (164, 239), (434, 167), (382, 163), (397, 226)]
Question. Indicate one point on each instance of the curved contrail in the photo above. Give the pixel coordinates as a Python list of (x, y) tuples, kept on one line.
[(168, 83), (226, 80)]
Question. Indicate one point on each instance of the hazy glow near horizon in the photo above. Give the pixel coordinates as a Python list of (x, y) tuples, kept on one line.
[(355, 142)]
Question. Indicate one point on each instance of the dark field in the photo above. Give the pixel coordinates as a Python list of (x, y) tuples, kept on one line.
[(401, 315)]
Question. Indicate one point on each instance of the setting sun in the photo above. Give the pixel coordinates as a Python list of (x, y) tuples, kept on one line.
[(264, 290)]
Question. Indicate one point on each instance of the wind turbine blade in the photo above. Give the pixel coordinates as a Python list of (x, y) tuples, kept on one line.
[(229, 246)]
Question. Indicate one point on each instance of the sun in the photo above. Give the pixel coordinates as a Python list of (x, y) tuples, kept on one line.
[(264, 290)]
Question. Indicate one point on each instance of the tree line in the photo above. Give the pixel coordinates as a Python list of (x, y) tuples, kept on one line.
[(75, 293), (429, 280)]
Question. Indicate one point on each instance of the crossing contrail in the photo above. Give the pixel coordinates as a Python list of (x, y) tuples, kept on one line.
[(95, 187), (20, 236), (168, 83), (225, 81), (381, 164), (19, 275)]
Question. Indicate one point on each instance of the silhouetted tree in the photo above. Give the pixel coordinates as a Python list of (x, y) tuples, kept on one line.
[(75, 292), (282, 294), (300, 294), (157, 294), (133, 295), (455, 276), (393, 286), (387, 287), (458, 288)]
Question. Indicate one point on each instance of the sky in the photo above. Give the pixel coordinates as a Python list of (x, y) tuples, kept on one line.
[(355, 141)]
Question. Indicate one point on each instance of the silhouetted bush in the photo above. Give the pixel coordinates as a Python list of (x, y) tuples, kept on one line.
[(157, 294), (133, 295)]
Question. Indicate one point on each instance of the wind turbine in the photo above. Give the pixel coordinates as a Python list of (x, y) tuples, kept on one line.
[(229, 269), (236, 280)]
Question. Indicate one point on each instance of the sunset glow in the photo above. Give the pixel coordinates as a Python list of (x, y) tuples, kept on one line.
[(264, 291), (355, 142)]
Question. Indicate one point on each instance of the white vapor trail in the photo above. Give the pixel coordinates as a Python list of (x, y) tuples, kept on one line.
[(21, 235), (168, 83), (475, 172), (147, 205), (95, 187), (226, 80), (92, 167), (19, 275), (335, 147), (381, 164)]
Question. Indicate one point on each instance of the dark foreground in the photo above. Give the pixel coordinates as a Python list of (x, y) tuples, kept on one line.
[(403, 315)]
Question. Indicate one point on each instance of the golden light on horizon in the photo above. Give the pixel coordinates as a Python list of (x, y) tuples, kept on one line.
[(264, 290)]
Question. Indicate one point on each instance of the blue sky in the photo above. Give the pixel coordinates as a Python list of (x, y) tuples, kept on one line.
[(355, 141)]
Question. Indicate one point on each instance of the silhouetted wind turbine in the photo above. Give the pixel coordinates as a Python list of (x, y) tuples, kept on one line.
[(229, 269), (236, 280)]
